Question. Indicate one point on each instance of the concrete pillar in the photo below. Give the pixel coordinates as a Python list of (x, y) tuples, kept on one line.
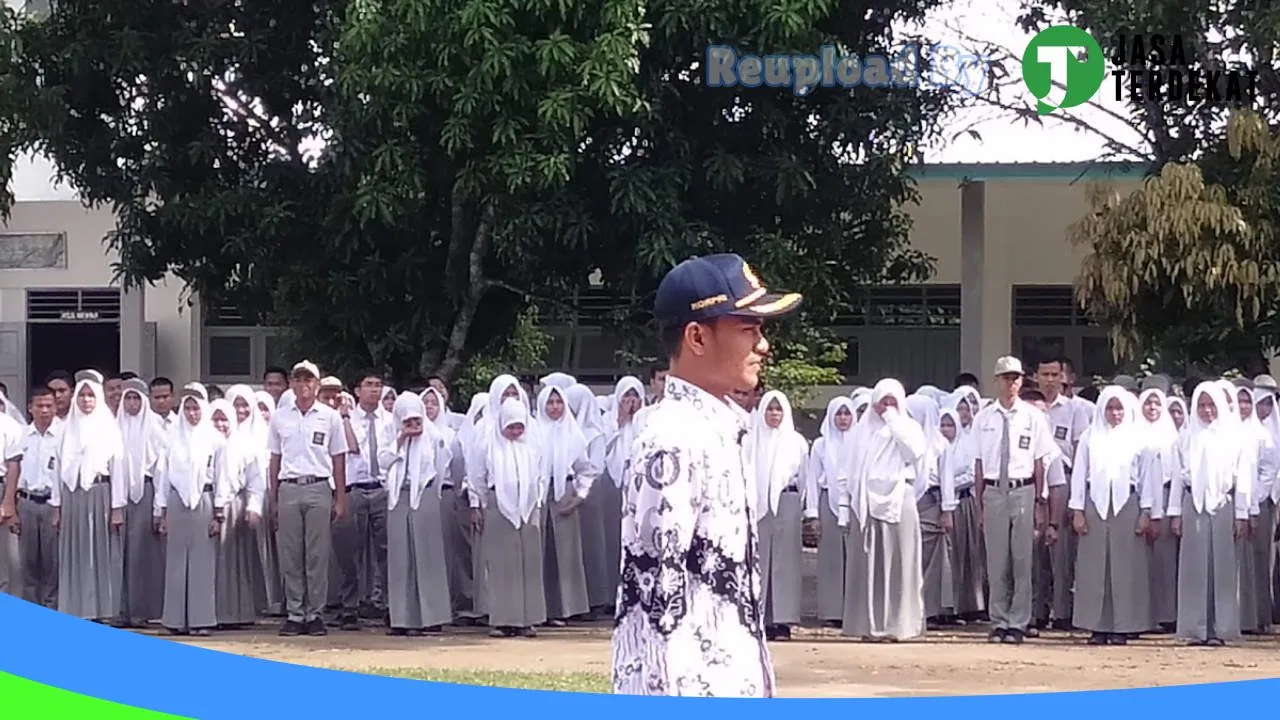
[(133, 321), (973, 240), (195, 315)]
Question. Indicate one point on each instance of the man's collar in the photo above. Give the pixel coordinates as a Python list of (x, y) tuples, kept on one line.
[(685, 392)]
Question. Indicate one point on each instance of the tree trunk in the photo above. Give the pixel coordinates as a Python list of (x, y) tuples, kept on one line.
[(476, 287)]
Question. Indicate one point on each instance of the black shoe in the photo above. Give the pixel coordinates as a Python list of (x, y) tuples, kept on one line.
[(464, 621), (1115, 639), (316, 628), (996, 635), (349, 622), (1033, 632), (1061, 625), (1014, 636), (1098, 639), (291, 628)]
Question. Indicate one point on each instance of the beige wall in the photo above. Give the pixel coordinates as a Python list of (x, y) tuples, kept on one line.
[(88, 264)]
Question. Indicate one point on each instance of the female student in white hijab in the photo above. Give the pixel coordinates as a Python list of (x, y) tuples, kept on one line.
[(143, 438), (388, 398), (242, 591), (189, 507), (90, 506), (569, 477), (1158, 459), (12, 410), (1264, 407), (826, 473), (508, 492), (455, 515), (628, 400), (469, 591), (1254, 567), (779, 454), (883, 574), (1208, 509), (595, 562), (417, 570), (935, 500), (1111, 515), (961, 516), (884, 587), (273, 581)]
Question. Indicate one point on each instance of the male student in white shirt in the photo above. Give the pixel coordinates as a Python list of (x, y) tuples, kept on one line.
[(38, 540)]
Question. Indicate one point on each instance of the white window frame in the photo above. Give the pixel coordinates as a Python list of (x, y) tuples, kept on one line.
[(258, 362)]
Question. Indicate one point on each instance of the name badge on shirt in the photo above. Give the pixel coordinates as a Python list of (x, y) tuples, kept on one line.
[(1024, 442), (1060, 432), (317, 438), (52, 460)]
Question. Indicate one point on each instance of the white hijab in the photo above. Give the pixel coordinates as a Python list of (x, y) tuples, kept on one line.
[(1158, 439), (779, 453), (91, 442), (885, 451), (192, 451), (13, 411), (626, 434), (1211, 451), (1112, 451), (514, 464), (413, 468), (141, 436), (561, 441), (586, 410), (924, 410)]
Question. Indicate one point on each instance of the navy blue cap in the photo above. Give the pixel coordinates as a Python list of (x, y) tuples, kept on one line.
[(703, 288)]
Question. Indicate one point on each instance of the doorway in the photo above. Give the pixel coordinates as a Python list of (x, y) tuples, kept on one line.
[(71, 346)]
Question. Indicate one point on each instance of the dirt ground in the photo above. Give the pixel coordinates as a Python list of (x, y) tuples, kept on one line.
[(815, 663)]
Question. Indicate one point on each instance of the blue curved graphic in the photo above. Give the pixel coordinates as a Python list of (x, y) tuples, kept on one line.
[(167, 677)]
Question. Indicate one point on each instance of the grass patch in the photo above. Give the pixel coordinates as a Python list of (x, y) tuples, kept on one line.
[(583, 682)]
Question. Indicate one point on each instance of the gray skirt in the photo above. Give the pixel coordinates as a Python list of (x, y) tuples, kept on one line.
[(969, 567), (595, 549), (242, 593), (191, 565), (417, 569), (1112, 580), (1163, 569), (1208, 598), (455, 522), (611, 515), (781, 551), (514, 595), (831, 562), (142, 594), (272, 580), (564, 576), (937, 558), (884, 589), (90, 555)]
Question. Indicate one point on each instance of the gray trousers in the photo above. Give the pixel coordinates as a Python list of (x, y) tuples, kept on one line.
[(360, 542), (303, 541), (10, 560), (1055, 567), (38, 546), (1008, 527)]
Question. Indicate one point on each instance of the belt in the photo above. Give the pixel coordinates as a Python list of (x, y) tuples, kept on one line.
[(37, 498), (446, 486), (147, 480), (102, 480), (365, 486), (791, 488), (1014, 483), (208, 488), (964, 493), (304, 480)]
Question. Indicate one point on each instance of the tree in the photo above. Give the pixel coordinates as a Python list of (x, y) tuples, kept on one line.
[(1187, 264), (395, 181)]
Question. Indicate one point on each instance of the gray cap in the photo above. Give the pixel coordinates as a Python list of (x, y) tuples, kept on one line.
[(1266, 382), (1157, 381)]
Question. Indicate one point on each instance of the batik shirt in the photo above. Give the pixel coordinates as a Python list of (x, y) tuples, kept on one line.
[(689, 604)]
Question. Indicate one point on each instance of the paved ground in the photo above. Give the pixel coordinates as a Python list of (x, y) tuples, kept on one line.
[(816, 663)]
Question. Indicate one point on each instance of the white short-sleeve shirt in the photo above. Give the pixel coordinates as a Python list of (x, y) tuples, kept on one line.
[(307, 442)]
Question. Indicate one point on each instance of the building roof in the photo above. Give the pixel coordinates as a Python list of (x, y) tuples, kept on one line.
[(1069, 171)]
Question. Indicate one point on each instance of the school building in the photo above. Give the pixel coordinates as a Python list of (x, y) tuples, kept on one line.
[(997, 233)]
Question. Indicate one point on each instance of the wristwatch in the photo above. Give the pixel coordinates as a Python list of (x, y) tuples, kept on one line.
[(1042, 500), (1053, 525)]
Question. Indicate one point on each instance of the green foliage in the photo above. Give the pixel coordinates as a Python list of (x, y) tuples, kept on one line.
[(526, 349), (801, 363), (394, 180)]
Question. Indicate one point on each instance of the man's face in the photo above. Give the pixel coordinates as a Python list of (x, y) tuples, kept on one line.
[(658, 385), (735, 346), (304, 386), (440, 387), (1010, 384), (42, 409), (1049, 377), (113, 389), (61, 396), (369, 392), (275, 384), (161, 399)]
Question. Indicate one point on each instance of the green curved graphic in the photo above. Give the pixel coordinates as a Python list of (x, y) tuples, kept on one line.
[(21, 698)]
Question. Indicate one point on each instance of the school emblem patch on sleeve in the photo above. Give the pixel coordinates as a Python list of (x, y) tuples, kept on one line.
[(661, 469)]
